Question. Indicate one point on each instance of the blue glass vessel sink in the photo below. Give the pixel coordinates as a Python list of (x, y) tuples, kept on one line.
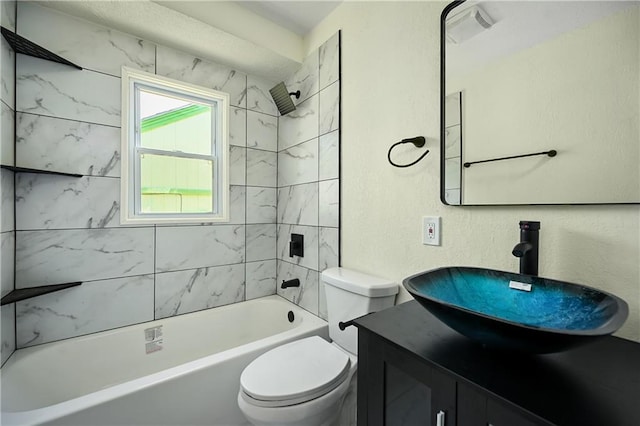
[(483, 305)]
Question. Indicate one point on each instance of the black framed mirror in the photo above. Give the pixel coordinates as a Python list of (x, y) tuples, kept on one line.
[(540, 102)]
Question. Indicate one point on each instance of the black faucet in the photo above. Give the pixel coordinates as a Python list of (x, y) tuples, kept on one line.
[(291, 283), (527, 248)]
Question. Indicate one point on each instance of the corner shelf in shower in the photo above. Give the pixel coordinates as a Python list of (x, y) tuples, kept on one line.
[(29, 292), (38, 171), (27, 47)]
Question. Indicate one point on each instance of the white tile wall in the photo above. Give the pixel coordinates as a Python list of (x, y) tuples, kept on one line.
[(300, 125), (237, 165), (237, 126), (82, 310), (305, 79), (329, 108), (58, 90), (261, 242), (262, 131), (310, 233), (69, 120), (67, 146), (7, 240), (298, 164), (322, 300), (262, 167), (329, 197), (7, 147), (452, 196), (196, 289), (238, 197), (8, 13), (298, 204), (60, 202), (308, 177), (7, 199), (185, 67), (307, 295), (329, 246), (452, 139), (85, 44), (261, 205), (188, 247), (7, 77), (7, 152), (452, 173), (329, 61), (329, 156), (261, 279), (452, 109), (59, 256), (8, 331), (258, 97)]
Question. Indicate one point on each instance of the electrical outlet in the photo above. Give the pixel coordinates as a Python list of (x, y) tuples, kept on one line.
[(431, 230)]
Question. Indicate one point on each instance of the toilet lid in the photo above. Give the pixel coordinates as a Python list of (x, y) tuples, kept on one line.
[(295, 372)]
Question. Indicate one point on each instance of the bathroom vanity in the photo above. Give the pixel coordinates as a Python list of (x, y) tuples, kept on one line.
[(414, 370)]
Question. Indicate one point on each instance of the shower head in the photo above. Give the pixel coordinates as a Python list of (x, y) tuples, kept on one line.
[(282, 98)]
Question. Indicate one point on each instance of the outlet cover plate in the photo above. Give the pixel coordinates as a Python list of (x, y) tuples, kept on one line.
[(431, 226)]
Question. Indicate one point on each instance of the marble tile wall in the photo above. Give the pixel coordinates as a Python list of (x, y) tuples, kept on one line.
[(453, 148), (308, 177), (7, 153), (68, 229)]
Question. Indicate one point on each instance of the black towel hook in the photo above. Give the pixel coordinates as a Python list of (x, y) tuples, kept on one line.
[(418, 141)]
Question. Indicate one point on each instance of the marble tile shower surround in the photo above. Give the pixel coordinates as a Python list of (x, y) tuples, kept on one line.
[(308, 177), (68, 229), (7, 79), (73, 146), (7, 153)]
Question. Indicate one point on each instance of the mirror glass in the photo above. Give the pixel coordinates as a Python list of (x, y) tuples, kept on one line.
[(554, 84)]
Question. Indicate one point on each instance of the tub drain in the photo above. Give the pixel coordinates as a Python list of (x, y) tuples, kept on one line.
[(291, 316)]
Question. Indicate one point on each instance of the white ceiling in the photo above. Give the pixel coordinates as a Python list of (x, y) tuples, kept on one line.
[(297, 16)]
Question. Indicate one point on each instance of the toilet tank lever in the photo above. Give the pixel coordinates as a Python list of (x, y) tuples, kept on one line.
[(343, 325)]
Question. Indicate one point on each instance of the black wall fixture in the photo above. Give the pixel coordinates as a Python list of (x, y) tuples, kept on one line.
[(418, 142), (291, 283), (27, 293), (296, 245), (27, 47), (550, 153)]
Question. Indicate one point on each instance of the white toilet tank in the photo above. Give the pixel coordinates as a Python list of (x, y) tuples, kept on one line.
[(350, 295)]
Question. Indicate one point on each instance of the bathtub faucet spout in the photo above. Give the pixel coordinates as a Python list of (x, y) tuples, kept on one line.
[(291, 283)]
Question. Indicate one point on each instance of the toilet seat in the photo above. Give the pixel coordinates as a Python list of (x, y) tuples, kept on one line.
[(294, 373)]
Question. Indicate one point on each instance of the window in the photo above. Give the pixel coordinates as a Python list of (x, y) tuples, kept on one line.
[(174, 151)]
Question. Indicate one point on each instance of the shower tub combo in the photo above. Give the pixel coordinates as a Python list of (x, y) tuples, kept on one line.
[(179, 370)]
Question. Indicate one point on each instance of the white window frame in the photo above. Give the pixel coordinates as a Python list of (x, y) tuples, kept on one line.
[(130, 194)]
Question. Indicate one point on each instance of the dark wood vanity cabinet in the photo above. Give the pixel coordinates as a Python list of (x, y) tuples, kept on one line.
[(414, 370)]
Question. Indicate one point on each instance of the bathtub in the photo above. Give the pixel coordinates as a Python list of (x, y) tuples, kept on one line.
[(183, 370)]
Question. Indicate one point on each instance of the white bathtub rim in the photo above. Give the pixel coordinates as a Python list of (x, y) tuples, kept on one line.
[(68, 407)]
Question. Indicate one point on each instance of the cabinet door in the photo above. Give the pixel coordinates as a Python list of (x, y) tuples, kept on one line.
[(404, 391), (477, 408), (502, 415)]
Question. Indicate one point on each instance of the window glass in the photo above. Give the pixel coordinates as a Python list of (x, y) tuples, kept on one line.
[(176, 151)]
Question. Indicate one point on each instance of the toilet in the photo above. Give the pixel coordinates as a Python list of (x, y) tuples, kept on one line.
[(305, 382)]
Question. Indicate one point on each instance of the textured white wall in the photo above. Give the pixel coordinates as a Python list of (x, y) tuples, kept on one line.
[(390, 90)]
